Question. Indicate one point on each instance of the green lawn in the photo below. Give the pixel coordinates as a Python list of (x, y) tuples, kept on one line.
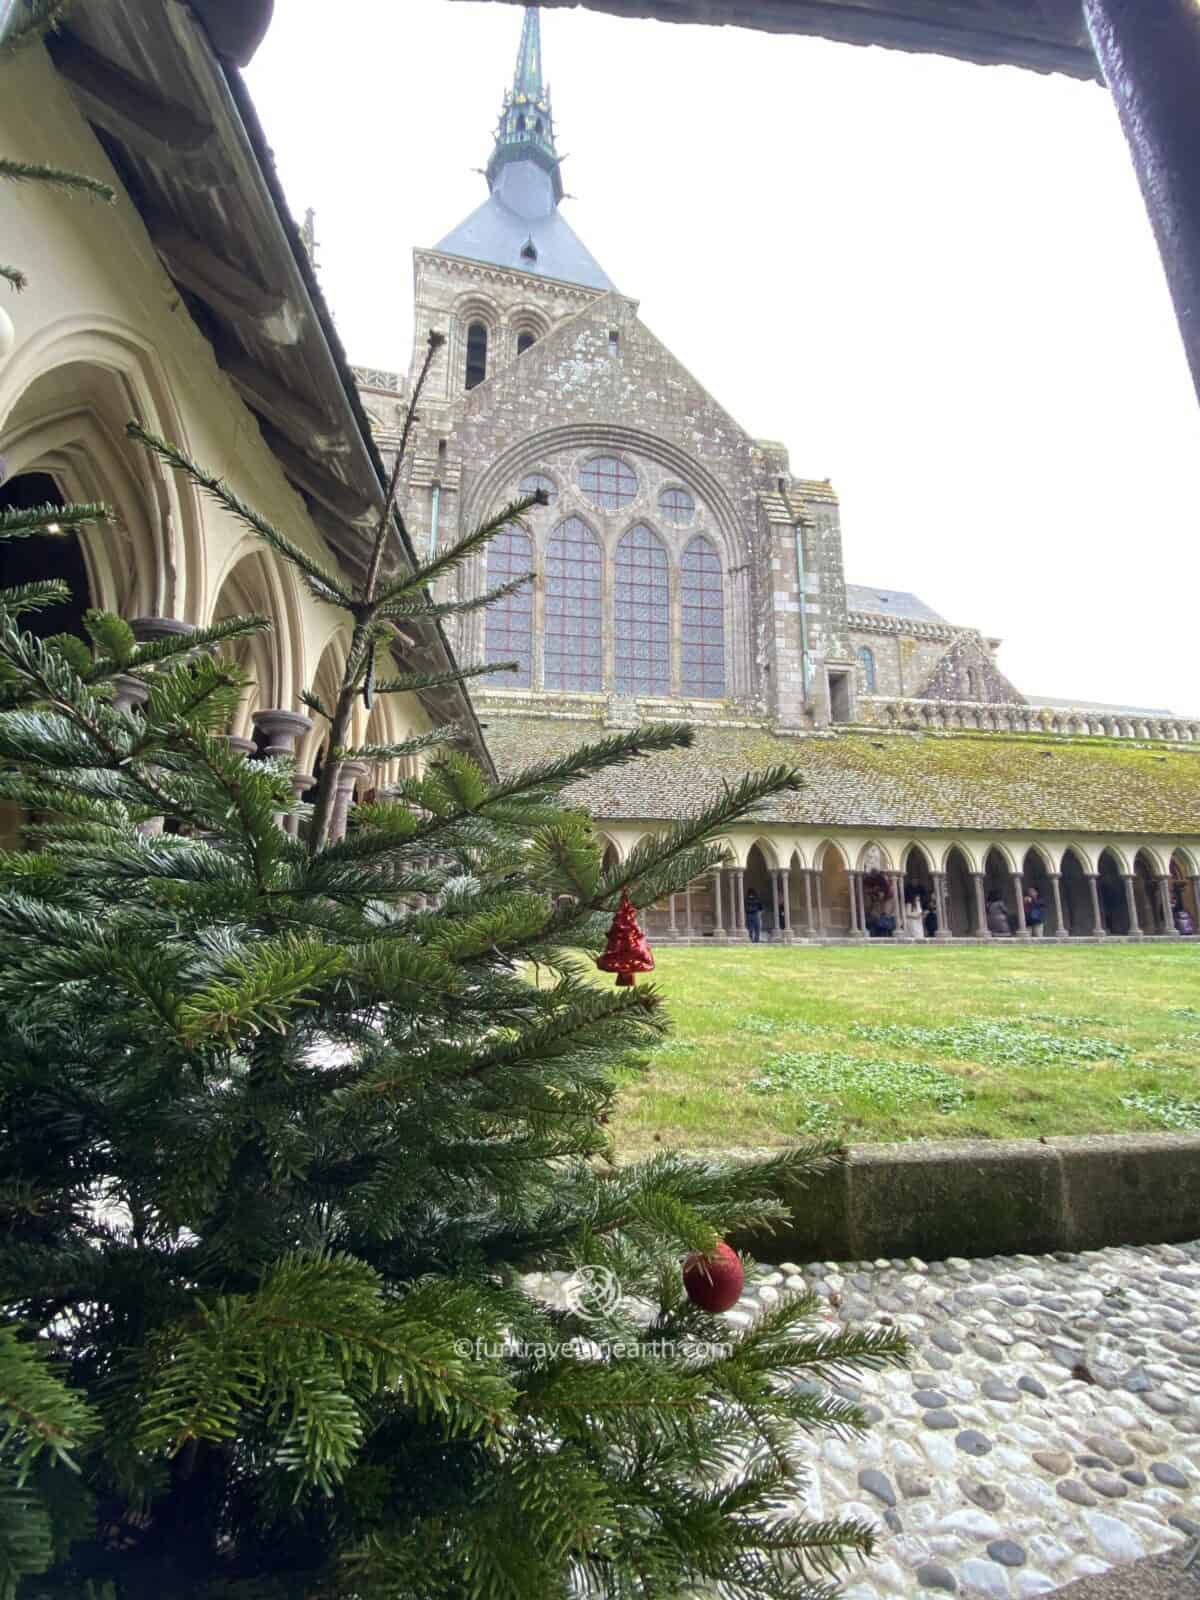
[(889, 1042)]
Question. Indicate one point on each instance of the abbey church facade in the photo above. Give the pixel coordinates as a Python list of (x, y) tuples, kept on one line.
[(684, 572)]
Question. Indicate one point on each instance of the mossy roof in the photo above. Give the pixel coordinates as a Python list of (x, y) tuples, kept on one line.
[(954, 781)]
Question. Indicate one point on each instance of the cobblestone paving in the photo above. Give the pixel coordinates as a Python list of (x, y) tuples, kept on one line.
[(1048, 1428)]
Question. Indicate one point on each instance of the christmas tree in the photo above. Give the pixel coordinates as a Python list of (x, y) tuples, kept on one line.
[(285, 1127)]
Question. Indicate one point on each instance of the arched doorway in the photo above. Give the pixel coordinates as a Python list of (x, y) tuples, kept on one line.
[(759, 881), (1035, 874), (998, 886), (251, 588), (961, 910), (1076, 897), (1146, 893), (1114, 902), (919, 892), (833, 887), (1185, 904)]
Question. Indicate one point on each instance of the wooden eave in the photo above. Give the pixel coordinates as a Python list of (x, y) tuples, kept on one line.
[(1046, 35), (177, 123)]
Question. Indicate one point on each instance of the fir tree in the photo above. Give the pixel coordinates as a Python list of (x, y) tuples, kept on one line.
[(286, 1124)]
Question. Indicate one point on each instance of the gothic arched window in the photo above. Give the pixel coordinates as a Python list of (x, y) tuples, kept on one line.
[(866, 660), (508, 624), (702, 603), (608, 483), (574, 632), (677, 506), (477, 352), (533, 481), (642, 614)]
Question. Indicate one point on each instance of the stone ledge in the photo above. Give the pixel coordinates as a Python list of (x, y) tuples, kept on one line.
[(995, 1197)]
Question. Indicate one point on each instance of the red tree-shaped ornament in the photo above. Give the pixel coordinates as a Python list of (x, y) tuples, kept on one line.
[(627, 952)]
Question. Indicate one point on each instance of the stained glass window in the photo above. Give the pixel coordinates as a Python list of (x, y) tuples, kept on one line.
[(866, 660), (477, 343), (702, 642), (508, 626), (608, 483), (574, 633), (677, 506), (533, 481), (642, 614)]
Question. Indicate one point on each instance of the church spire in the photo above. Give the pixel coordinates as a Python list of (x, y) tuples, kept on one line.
[(526, 129)]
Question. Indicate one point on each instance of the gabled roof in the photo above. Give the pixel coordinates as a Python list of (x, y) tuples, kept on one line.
[(889, 603)]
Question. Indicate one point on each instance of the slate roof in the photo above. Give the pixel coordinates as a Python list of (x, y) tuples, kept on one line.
[(497, 233), (889, 603), (949, 781)]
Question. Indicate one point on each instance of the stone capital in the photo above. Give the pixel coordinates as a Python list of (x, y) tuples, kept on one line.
[(281, 729), (147, 629)]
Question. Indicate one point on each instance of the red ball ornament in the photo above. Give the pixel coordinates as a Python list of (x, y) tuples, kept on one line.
[(627, 951), (714, 1282)]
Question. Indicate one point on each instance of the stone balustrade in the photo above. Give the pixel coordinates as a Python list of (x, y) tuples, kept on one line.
[(1065, 721)]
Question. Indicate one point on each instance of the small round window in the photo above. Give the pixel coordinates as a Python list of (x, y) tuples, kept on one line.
[(677, 506), (533, 481), (608, 483)]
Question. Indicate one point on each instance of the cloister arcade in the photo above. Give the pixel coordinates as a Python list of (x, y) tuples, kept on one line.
[(838, 886), (170, 562)]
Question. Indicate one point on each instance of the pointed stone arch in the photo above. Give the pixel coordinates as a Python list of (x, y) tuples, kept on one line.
[(1185, 891), (254, 581)]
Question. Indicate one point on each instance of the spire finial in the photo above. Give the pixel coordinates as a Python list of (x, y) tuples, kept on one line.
[(526, 131)]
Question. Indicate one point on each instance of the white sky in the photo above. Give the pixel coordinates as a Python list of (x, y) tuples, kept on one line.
[(934, 282)]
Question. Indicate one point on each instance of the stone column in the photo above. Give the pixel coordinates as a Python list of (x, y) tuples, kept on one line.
[(810, 926), (1150, 56), (941, 905), (1018, 882), (302, 782), (348, 775), (738, 908), (783, 901), (718, 929), (1164, 900), (240, 746), (131, 692), (687, 910), (671, 913), (280, 730), (1061, 931), (1135, 926), (819, 896), (982, 931), (858, 912), (896, 879), (146, 630), (1097, 919), (1196, 903)]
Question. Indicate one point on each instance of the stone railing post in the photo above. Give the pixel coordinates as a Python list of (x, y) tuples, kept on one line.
[(1135, 926)]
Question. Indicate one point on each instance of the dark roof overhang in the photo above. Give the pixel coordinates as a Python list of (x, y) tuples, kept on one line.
[(1049, 36), (176, 120)]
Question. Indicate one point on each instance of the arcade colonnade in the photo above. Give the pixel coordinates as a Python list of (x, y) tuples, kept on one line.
[(821, 887)]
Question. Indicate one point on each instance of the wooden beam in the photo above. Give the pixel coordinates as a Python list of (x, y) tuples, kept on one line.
[(263, 392), (232, 293), (314, 480), (116, 99)]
